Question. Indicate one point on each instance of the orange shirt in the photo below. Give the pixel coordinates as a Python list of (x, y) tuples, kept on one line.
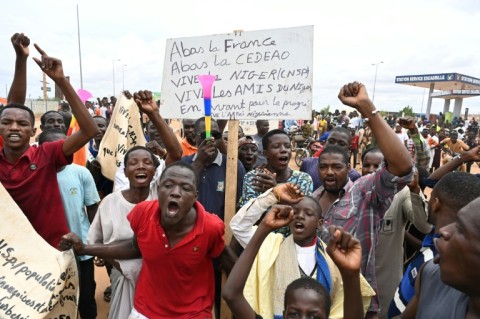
[(187, 148)]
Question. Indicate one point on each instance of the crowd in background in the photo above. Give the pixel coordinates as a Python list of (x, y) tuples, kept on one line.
[(347, 235)]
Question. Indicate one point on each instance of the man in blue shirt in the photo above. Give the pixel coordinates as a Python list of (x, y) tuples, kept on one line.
[(210, 167)]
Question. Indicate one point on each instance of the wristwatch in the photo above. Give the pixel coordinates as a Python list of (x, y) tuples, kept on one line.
[(374, 112)]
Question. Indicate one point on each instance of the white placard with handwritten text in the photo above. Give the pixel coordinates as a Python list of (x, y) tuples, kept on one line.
[(36, 280), (260, 75), (124, 132)]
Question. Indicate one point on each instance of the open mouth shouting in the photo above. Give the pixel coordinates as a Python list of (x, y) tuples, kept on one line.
[(172, 209), (283, 160), (298, 227), (141, 178), (249, 159)]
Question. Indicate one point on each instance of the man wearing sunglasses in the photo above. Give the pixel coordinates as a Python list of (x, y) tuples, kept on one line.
[(210, 167)]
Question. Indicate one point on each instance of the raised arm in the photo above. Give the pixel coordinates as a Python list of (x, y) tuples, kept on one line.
[(241, 224), (205, 152), (147, 105), (346, 252), (422, 153), (125, 249), (414, 206), (18, 89), (88, 129), (472, 155), (396, 155), (232, 292)]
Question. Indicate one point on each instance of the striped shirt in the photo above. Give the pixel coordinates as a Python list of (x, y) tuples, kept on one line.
[(406, 288), (422, 151), (359, 209)]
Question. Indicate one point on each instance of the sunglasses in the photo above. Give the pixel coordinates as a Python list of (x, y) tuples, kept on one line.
[(215, 134)]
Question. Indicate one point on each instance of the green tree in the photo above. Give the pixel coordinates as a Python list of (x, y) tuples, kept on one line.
[(325, 110), (407, 111)]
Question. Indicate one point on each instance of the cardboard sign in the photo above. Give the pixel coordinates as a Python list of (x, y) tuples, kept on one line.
[(260, 75), (36, 280), (123, 132)]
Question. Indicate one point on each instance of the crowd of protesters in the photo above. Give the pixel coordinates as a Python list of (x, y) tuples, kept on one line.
[(349, 234)]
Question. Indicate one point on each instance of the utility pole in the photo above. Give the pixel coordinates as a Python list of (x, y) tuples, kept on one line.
[(44, 87), (79, 50), (375, 81)]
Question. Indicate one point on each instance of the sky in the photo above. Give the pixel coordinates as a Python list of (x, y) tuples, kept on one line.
[(410, 37)]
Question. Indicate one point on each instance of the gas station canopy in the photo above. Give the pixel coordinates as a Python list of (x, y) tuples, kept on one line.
[(449, 85)]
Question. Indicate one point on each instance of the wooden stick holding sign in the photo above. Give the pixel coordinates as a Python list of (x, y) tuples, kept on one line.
[(230, 194), (230, 197)]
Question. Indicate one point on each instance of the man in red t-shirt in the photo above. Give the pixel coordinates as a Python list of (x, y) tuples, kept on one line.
[(29, 173), (177, 240), (354, 147)]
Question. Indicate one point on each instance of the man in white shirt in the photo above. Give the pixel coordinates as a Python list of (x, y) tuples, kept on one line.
[(402, 136), (355, 121)]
